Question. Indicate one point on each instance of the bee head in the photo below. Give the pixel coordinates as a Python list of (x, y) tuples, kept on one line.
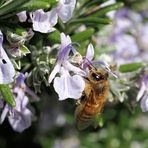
[(98, 75)]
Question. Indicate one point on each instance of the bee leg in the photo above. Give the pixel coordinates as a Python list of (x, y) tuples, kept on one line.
[(83, 97), (78, 102)]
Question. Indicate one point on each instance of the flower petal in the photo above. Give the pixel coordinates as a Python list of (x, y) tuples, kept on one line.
[(41, 21), (19, 100), (73, 68), (90, 52), (4, 113), (65, 40), (144, 103), (53, 17), (24, 103), (22, 16), (141, 91), (69, 86), (33, 96), (54, 72), (21, 120), (7, 71), (65, 9)]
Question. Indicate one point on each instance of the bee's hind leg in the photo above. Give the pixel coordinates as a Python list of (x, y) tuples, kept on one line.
[(78, 102)]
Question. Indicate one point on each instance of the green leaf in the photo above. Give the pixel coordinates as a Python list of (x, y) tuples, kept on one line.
[(94, 3), (54, 36), (28, 5), (39, 4), (36, 4), (109, 8), (7, 94), (83, 36), (16, 64), (10, 6), (24, 49), (130, 67), (88, 20), (20, 30)]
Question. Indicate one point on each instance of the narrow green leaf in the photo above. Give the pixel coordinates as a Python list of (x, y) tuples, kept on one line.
[(7, 94), (94, 3), (24, 49), (34, 5), (88, 20), (82, 36), (38, 4), (10, 6), (51, 2), (130, 67), (106, 9)]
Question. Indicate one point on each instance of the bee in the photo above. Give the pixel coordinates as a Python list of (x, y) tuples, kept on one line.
[(93, 97)]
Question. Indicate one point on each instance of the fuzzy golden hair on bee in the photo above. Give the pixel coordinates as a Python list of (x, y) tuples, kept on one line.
[(93, 98)]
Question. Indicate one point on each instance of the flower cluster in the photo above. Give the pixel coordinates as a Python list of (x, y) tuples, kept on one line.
[(128, 44), (67, 86), (20, 117), (129, 37), (44, 22), (7, 70), (72, 69)]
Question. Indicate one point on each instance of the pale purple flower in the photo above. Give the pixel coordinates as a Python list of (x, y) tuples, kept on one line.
[(22, 16), (44, 21), (126, 49), (143, 93), (126, 20), (88, 60), (7, 70), (65, 9), (67, 85), (143, 36), (20, 84), (129, 37), (20, 117)]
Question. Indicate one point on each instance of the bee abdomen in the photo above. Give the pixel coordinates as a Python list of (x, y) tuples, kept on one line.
[(84, 116), (87, 113)]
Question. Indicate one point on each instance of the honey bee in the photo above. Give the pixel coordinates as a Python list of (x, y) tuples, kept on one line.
[(93, 97)]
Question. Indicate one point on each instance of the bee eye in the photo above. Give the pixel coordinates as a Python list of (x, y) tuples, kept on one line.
[(96, 77)]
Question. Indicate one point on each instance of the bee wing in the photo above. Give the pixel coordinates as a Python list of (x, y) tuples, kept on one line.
[(81, 125)]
